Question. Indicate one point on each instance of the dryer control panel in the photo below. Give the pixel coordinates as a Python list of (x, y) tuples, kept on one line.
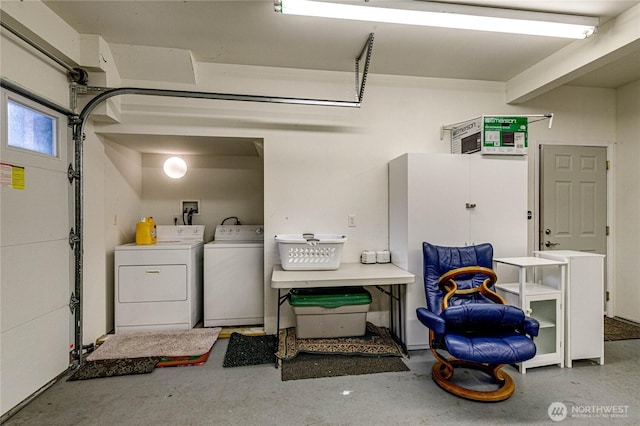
[(239, 233), (180, 233)]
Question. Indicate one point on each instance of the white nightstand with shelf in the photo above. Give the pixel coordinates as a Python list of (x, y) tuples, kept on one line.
[(541, 302)]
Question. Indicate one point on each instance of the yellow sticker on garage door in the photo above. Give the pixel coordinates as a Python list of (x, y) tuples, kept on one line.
[(12, 176)]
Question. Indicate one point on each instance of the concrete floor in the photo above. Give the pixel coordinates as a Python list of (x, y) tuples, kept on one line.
[(213, 395)]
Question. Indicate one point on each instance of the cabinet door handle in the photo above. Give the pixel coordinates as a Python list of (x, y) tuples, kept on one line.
[(152, 271), (470, 205)]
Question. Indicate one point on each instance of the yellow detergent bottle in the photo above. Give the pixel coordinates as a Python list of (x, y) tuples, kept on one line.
[(143, 232), (154, 230)]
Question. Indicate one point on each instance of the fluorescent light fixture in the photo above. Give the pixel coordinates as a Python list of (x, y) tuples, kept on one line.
[(447, 15), (175, 167)]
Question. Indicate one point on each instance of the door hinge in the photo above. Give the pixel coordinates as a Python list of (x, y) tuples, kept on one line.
[(72, 174), (73, 238), (607, 230), (73, 303), (607, 295), (607, 165)]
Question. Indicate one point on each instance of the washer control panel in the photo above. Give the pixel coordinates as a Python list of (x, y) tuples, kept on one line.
[(239, 233)]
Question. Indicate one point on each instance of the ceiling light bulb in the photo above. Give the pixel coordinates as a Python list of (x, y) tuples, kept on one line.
[(175, 167)]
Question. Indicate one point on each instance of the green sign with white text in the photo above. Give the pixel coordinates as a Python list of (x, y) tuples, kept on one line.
[(504, 135)]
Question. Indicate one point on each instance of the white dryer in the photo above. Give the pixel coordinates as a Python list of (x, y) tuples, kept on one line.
[(234, 276), (159, 286)]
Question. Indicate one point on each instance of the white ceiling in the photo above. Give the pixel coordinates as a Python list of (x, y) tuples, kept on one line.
[(251, 33)]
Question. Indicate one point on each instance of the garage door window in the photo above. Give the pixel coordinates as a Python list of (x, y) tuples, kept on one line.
[(30, 129)]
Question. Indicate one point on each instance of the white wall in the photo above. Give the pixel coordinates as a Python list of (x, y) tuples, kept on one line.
[(94, 290), (224, 185), (320, 164), (627, 201), (122, 199)]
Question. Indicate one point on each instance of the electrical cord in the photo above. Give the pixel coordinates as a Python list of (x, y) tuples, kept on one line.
[(231, 217)]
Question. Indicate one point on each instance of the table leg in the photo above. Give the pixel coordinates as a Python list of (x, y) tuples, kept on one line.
[(281, 300), (391, 313), (278, 330), (393, 298)]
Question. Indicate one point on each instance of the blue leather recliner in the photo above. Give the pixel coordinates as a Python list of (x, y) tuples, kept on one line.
[(470, 321)]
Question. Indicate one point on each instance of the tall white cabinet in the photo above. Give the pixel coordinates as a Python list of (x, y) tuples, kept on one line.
[(584, 304), (452, 200)]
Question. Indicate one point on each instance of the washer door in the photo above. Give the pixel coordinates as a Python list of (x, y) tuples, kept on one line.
[(152, 283)]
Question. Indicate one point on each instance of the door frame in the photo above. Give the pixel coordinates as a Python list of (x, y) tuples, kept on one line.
[(610, 258)]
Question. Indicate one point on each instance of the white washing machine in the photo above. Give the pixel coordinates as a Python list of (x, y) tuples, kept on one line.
[(159, 286), (234, 276)]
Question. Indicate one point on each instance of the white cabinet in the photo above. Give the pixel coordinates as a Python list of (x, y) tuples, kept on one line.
[(452, 200), (540, 299), (584, 304)]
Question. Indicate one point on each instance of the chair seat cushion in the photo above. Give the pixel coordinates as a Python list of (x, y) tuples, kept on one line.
[(485, 318), (507, 348)]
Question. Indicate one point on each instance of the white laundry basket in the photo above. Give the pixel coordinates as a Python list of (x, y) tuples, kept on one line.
[(311, 252)]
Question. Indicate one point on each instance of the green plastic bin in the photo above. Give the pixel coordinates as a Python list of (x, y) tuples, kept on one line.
[(330, 312)]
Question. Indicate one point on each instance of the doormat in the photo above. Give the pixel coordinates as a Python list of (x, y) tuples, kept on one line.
[(616, 329), (114, 367), (377, 341), (250, 350), (165, 343), (183, 361), (313, 366)]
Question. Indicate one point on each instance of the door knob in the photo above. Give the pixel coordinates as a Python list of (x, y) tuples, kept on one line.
[(550, 244)]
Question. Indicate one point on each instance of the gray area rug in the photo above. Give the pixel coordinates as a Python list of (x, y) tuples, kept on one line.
[(617, 329), (170, 343)]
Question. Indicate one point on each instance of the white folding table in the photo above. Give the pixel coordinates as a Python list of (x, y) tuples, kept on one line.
[(349, 274)]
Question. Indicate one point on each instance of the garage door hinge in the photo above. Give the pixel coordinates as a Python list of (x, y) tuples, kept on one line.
[(73, 303), (73, 238), (72, 174)]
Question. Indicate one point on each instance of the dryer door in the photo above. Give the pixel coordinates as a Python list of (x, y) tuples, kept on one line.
[(152, 283)]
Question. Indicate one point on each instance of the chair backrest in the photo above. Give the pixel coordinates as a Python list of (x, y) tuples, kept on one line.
[(437, 260)]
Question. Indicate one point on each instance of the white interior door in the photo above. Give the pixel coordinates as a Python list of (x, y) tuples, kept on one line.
[(573, 199), (36, 259), (573, 194)]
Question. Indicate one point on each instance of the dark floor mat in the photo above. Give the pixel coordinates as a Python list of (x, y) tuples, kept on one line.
[(250, 350), (114, 367), (616, 329), (311, 366)]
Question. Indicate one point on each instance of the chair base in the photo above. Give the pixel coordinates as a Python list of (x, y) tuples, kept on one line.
[(442, 372)]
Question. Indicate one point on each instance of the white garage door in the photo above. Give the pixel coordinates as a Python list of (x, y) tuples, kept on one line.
[(36, 259)]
